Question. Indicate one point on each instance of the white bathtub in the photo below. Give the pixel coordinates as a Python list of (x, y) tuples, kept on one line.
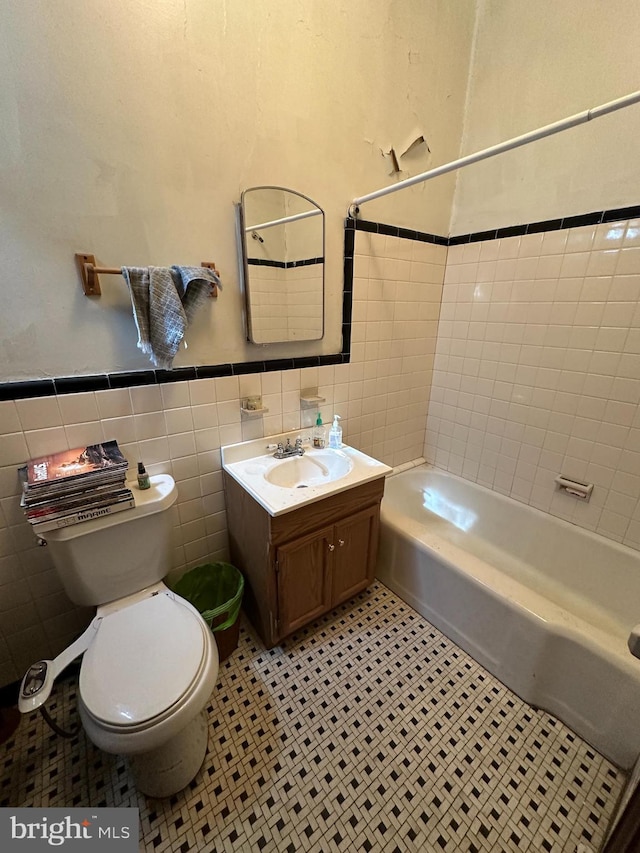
[(544, 605)]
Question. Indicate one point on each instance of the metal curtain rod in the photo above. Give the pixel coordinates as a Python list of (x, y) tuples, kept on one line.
[(293, 218), (516, 142), (89, 273)]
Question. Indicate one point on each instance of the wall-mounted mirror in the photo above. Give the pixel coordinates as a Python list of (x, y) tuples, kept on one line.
[(281, 258)]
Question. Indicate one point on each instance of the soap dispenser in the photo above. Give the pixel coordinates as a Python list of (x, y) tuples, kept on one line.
[(335, 433), (318, 433)]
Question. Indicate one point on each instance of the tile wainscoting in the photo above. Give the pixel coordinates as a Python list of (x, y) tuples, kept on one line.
[(522, 361), (178, 427)]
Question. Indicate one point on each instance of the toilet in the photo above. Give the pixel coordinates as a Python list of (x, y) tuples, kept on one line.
[(149, 660)]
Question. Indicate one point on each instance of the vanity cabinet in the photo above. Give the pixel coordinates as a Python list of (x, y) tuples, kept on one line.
[(302, 563)]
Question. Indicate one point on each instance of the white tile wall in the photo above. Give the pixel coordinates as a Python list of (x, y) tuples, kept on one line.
[(528, 359), (397, 291), (178, 428), (537, 371)]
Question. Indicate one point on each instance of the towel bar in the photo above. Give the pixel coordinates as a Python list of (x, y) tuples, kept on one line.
[(89, 274)]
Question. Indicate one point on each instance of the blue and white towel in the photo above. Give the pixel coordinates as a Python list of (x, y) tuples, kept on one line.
[(165, 300)]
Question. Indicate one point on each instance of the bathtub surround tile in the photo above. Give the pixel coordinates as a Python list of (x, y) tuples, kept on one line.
[(367, 731), (553, 355)]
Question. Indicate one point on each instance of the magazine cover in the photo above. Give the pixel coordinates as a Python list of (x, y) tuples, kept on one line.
[(52, 523), (75, 486), (79, 462), (87, 499)]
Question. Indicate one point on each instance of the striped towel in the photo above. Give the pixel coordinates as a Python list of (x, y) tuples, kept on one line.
[(165, 300)]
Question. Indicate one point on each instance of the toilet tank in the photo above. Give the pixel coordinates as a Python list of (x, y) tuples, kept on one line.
[(107, 558)]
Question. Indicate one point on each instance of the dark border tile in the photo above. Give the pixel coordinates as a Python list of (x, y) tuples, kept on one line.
[(263, 262), (178, 374), (584, 219), (278, 364), (349, 243), (347, 307), (248, 367), (511, 231), (365, 225), (482, 235), (211, 371), (346, 337), (307, 361), (336, 358), (348, 275), (621, 213), (458, 241), (398, 231), (388, 230), (132, 378), (24, 390), (545, 225), (78, 384)]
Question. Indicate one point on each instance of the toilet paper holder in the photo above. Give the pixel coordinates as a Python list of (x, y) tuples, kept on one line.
[(575, 488)]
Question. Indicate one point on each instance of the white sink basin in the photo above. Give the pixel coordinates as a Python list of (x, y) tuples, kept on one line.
[(282, 485), (315, 468)]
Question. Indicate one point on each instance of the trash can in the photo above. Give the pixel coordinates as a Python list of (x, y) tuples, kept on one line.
[(215, 589)]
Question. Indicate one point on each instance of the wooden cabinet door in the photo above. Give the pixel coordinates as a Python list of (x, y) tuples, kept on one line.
[(304, 579), (356, 541)]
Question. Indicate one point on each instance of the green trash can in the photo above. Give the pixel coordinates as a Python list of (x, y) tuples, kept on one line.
[(215, 589)]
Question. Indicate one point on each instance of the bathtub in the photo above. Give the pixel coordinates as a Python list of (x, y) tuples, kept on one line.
[(545, 606)]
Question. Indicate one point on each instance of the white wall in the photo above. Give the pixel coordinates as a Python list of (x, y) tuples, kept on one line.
[(535, 63), (128, 129)]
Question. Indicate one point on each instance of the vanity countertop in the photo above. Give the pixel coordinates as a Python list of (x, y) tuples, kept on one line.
[(250, 463)]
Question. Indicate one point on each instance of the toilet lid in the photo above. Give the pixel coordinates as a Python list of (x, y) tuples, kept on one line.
[(143, 659)]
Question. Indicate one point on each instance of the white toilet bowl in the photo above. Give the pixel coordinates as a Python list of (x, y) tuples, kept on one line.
[(144, 681)]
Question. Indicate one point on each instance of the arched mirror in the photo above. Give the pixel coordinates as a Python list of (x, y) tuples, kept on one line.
[(281, 258)]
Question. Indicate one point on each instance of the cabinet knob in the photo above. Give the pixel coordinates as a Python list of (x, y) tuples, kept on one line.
[(332, 547), (341, 542)]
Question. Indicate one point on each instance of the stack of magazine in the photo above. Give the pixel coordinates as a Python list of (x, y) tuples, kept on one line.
[(75, 485)]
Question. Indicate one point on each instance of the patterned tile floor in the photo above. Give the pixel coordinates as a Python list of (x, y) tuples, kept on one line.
[(368, 731)]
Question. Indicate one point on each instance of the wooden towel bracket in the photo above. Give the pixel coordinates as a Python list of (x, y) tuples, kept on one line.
[(91, 283)]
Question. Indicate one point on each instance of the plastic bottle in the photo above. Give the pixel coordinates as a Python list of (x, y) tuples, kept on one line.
[(143, 477), (319, 433), (335, 433)]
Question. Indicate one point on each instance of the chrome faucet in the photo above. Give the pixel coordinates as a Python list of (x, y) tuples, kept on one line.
[(284, 451)]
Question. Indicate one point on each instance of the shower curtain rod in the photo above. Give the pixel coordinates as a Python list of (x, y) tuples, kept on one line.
[(508, 145), (293, 218)]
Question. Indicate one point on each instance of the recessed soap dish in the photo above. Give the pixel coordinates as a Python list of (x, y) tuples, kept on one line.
[(251, 407), (310, 399)]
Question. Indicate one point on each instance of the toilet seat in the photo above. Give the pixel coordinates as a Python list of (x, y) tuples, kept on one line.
[(145, 661)]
